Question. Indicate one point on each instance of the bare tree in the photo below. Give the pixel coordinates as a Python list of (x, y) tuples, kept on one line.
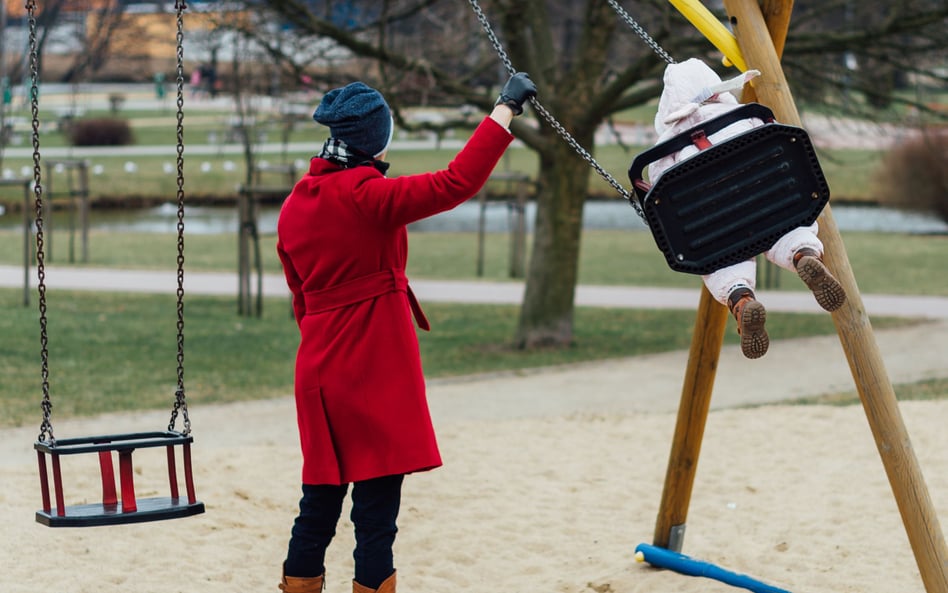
[(46, 16), (588, 65), (863, 57), (94, 30)]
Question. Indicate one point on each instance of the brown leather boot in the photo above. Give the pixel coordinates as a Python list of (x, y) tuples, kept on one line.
[(302, 584), (387, 586), (751, 316), (828, 291)]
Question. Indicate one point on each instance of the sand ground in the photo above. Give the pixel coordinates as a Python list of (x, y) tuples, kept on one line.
[(551, 479)]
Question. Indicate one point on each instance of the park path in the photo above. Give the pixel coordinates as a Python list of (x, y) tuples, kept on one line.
[(468, 291)]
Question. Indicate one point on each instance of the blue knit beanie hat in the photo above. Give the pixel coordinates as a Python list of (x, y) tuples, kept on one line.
[(358, 115)]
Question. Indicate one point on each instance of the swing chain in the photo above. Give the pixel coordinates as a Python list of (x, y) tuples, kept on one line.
[(640, 31), (46, 428), (180, 403), (557, 126)]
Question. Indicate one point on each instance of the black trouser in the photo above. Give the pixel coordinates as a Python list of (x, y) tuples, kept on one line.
[(374, 512)]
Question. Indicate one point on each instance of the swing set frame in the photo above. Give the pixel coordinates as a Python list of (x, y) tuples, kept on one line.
[(760, 30)]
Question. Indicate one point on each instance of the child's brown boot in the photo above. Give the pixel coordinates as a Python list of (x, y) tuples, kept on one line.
[(828, 291), (751, 316)]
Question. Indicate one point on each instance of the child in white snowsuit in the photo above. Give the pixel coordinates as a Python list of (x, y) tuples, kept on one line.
[(693, 94)]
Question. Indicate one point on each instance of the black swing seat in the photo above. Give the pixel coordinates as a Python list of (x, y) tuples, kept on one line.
[(734, 199), (115, 509)]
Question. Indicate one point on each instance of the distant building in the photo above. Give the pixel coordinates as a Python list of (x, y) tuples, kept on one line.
[(141, 36)]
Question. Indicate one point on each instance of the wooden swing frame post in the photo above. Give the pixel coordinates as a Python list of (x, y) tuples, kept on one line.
[(760, 27)]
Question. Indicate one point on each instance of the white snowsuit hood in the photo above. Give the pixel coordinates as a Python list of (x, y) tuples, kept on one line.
[(690, 84)]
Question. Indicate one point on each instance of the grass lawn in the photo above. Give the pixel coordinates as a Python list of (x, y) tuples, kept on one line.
[(114, 352)]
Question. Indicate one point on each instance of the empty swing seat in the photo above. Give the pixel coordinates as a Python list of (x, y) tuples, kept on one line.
[(115, 509), (733, 200)]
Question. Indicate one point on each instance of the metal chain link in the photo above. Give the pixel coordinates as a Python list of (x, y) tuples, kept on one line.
[(46, 428), (557, 126), (180, 403), (658, 49)]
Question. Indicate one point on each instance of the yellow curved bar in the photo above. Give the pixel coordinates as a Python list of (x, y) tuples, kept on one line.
[(711, 27)]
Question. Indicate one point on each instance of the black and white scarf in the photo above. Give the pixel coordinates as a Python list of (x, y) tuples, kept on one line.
[(338, 152)]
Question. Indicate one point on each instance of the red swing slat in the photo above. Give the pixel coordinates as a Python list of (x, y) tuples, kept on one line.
[(109, 496), (172, 472)]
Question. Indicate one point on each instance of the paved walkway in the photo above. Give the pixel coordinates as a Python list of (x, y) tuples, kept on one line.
[(225, 283)]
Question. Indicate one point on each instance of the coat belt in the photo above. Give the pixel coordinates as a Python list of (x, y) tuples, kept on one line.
[(364, 289)]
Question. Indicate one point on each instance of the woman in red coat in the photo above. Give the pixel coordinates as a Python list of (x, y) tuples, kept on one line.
[(360, 391)]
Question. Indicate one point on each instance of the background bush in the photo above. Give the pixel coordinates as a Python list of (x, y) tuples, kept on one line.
[(914, 173), (100, 132)]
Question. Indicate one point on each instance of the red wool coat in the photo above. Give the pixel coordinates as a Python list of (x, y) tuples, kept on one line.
[(360, 392)]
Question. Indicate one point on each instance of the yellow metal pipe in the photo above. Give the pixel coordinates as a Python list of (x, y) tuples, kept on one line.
[(711, 27)]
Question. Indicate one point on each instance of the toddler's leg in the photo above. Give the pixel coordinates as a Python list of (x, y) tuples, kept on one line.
[(721, 283), (786, 247), (801, 251), (826, 288), (733, 287)]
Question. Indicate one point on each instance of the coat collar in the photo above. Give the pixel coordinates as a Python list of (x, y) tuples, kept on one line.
[(321, 166)]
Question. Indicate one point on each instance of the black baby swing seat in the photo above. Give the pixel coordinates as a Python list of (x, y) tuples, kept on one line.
[(732, 200)]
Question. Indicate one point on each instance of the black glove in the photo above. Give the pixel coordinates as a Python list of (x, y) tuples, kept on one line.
[(518, 89)]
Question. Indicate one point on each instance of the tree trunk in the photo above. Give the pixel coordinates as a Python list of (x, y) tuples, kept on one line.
[(546, 317)]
